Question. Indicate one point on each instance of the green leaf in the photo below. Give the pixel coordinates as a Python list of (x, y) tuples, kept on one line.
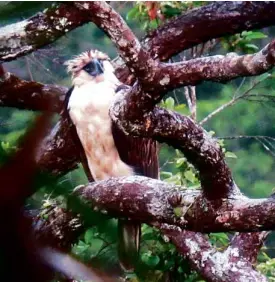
[(175, 179), (230, 155), (170, 103), (149, 236), (169, 11), (190, 176), (150, 260), (133, 13), (252, 47), (252, 35), (166, 174), (180, 162), (88, 237), (180, 108), (95, 246), (80, 248)]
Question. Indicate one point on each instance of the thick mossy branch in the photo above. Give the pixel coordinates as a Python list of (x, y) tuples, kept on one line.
[(30, 95), (156, 202), (213, 265), (184, 134), (215, 68), (189, 29), (130, 49), (148, 200), (201, 25), (208, 22), (24, 37)]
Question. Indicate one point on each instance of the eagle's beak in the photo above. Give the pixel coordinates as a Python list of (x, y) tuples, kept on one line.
[(94, 68), (98, 67)]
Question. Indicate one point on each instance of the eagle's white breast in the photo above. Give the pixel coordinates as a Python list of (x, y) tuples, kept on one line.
[(89, 110)]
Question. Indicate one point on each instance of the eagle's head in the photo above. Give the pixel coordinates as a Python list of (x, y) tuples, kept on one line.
[(90, 66)]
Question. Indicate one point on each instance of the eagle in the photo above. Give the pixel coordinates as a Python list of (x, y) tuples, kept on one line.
[(105, 150)]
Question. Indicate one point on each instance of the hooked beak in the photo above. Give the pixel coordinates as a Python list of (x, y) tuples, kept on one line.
[(94, 68)]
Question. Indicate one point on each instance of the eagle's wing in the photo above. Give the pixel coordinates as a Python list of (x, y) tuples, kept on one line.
[(139, 153), (65, 115)]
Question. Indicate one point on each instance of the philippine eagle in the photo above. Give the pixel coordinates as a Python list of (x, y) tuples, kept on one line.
[(104, 149)]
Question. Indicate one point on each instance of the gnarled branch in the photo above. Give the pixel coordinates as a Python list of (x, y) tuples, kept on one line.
[(213, 265), (24, 37), (182, 133), (216, 68), (30, 95), (156, 202)]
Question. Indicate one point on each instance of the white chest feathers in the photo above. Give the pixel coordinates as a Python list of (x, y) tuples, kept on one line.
[(89, 110)]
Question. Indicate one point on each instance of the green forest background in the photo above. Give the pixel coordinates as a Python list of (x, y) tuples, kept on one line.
[(251, 159)]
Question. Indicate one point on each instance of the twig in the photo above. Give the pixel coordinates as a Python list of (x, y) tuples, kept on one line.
[(29, 69), (234, 100)]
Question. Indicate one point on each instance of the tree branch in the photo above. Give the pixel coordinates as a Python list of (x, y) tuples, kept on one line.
[(29, 95), (58, 154), (201, 25), (216, 68), (56, 227), (156, 202), (182, 133), (136, 58), (208, 22), (214, 266), (244, 242), (38, 31)]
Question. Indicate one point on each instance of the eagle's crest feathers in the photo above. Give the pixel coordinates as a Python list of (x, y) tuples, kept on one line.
[(78, 62)]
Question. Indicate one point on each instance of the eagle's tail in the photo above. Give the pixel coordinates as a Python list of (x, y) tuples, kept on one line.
[(128, 243)]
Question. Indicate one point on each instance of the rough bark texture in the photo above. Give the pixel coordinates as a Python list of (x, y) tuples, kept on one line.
[(63, 233), (220, 206), (156, 202), (30, 95), (182, 133), (27, 36), (217, 68), (214, 266), (200, 25)]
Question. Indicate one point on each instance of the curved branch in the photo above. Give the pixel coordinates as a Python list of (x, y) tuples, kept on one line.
[(244, 242), (200, 25), (155, 202), (208, 22), (216, 68), (214, 266), (136, 58), (30, 95), (182, 133), (40, 30)]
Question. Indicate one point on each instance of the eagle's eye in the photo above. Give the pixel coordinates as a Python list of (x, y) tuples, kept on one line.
[(94, 68)]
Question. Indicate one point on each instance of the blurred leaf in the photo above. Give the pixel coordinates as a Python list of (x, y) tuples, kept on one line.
[(253, 47), (230, 155), (170, 103), (190, 176), (88, 237), (133, 13), (178, 211), (251, 35), (150, 260)]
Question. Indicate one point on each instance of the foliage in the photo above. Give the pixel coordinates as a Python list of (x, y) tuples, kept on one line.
[(152, 14), (251, 164), (242, 42)]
